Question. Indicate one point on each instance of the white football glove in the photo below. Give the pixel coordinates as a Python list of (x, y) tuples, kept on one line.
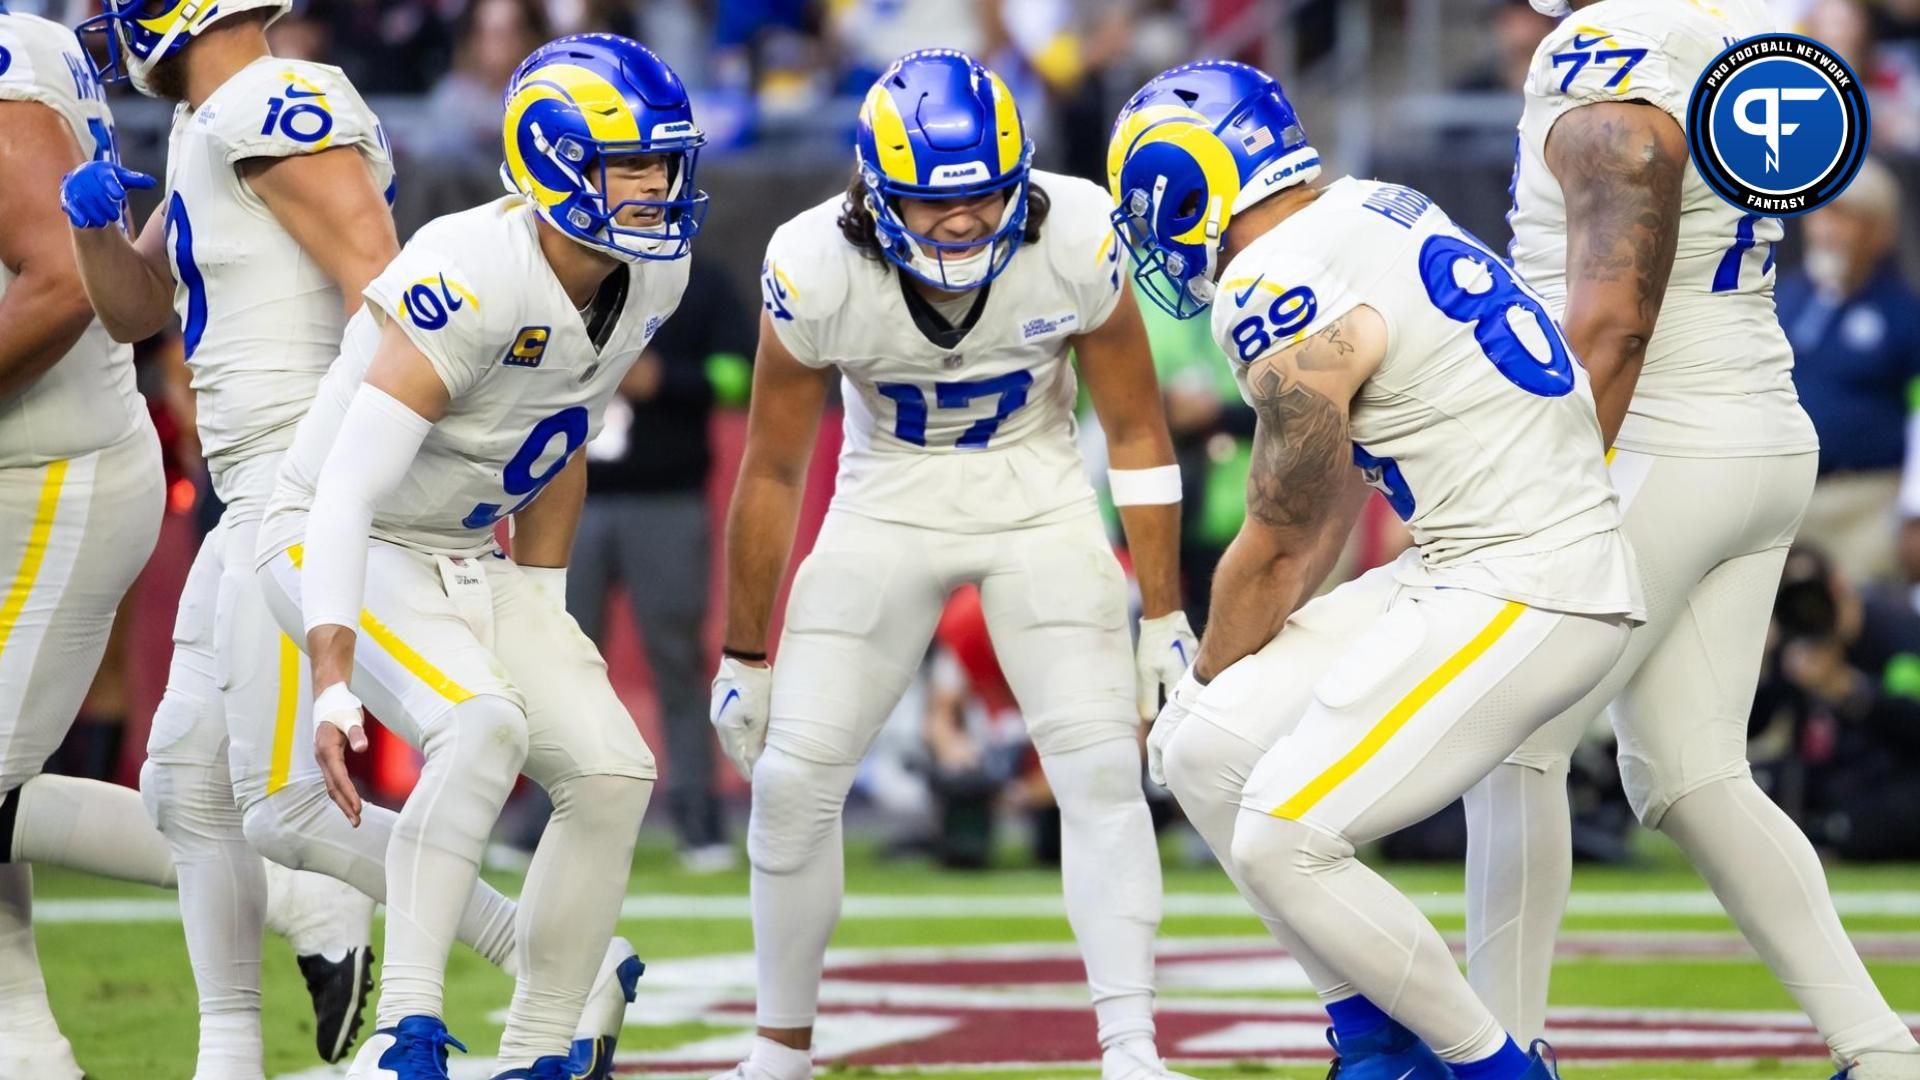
[(742, 696), (1185, 693), (1167, 648)]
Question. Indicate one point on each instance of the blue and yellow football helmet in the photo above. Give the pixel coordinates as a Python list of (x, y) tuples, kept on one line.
[(581, 100), (141, 33), (939, 125), (1195, 146)]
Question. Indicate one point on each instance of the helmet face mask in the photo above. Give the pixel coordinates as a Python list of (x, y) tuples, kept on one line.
[(139, 34), (938, 125), (1196, 145), (581, 102)]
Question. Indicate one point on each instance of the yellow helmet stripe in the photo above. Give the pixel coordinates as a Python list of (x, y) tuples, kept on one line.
[(882, 113), (1216, 164), (1129, 131), (608, 117), (164, 21), (1006, 121)]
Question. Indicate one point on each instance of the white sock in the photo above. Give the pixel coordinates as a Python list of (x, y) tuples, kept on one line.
[(24, 1010), (92, 826), (223, 900), (1765, 873), (794, 844), (777, 1060), (1363, 928), (568, 910), (1110, 871), (1519, 872), (299, 827), (473, 756)]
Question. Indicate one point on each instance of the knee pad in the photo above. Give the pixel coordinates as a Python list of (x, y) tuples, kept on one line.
[(1652, 791), (1204, 764), (275, 825), (487, 736), (1097, 778), (1282, 854), (607, 804), (796, 808), (187, 800)]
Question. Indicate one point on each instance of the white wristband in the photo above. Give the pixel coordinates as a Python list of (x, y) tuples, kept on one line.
[(551, 580), (1144, 487), (335, 703)]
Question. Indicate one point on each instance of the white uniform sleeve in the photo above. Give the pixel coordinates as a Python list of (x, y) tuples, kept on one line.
[(1289, 297), (378, 440), (294, 107), (443, 310), (802, 285), (1582, 63), (1078, 234)]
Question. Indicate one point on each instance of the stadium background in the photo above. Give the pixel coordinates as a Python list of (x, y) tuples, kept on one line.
[(951, 828)]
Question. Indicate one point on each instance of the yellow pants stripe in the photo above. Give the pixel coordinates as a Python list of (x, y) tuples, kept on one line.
[(419, 666), (1402, 711), (35, 553), (284, 715)]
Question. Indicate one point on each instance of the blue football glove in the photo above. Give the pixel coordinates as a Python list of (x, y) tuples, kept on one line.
[(95, 194)]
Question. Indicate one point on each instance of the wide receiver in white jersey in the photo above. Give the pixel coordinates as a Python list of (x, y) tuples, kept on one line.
[(1666, 294), (80, 502), (482, 363), (946, 290), (1367, 330)]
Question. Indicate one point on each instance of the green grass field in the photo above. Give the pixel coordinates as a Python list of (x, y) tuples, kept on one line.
[(1644, 938)]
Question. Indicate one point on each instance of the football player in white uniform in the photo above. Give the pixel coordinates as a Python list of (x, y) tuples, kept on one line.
[(945, 292), (482, 363), (1666, 293), (1367, 330), (80, 501)]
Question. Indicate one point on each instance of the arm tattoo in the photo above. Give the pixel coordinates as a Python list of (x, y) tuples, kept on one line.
[(1622, 188), (1301, 454)]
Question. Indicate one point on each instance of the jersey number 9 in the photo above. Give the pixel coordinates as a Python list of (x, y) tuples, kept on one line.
[(519, 480)]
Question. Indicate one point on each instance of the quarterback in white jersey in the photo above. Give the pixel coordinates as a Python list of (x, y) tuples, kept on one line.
[(1367, 330), (482, 363), (81, 494), (1666, 294), (946, 290)]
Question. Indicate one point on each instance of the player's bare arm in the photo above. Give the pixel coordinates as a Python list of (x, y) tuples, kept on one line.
[(543, 532), (44, 310), (328, 203), (128, 281), (1301, 485), (1117, 365), (1620, 165), (782, 423), (363, 465)]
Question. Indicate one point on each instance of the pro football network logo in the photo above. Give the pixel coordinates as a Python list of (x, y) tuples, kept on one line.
[(1778, 124)]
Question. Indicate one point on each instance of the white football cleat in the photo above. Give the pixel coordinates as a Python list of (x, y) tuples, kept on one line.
[(1883, 1065), (41, 1057), (599, 1031), (1136, 1059)]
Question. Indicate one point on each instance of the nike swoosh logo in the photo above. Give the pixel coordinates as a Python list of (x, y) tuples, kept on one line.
[(1404, 1075), (454, 303), (728, 700), (1240, 298), (1181, 649), (1588, 43), (296, 92)]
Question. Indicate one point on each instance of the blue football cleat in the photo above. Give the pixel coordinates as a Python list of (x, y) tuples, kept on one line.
[(599, 1032), (1882, 1065), (1386, 1053), (413, 1049), (1542, 1062)]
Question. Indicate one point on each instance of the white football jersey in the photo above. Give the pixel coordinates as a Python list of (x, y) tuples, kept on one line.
[(475, 293), (1718, 376), (87, 400), (1478, 426), (260, 318), (975, 438)]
